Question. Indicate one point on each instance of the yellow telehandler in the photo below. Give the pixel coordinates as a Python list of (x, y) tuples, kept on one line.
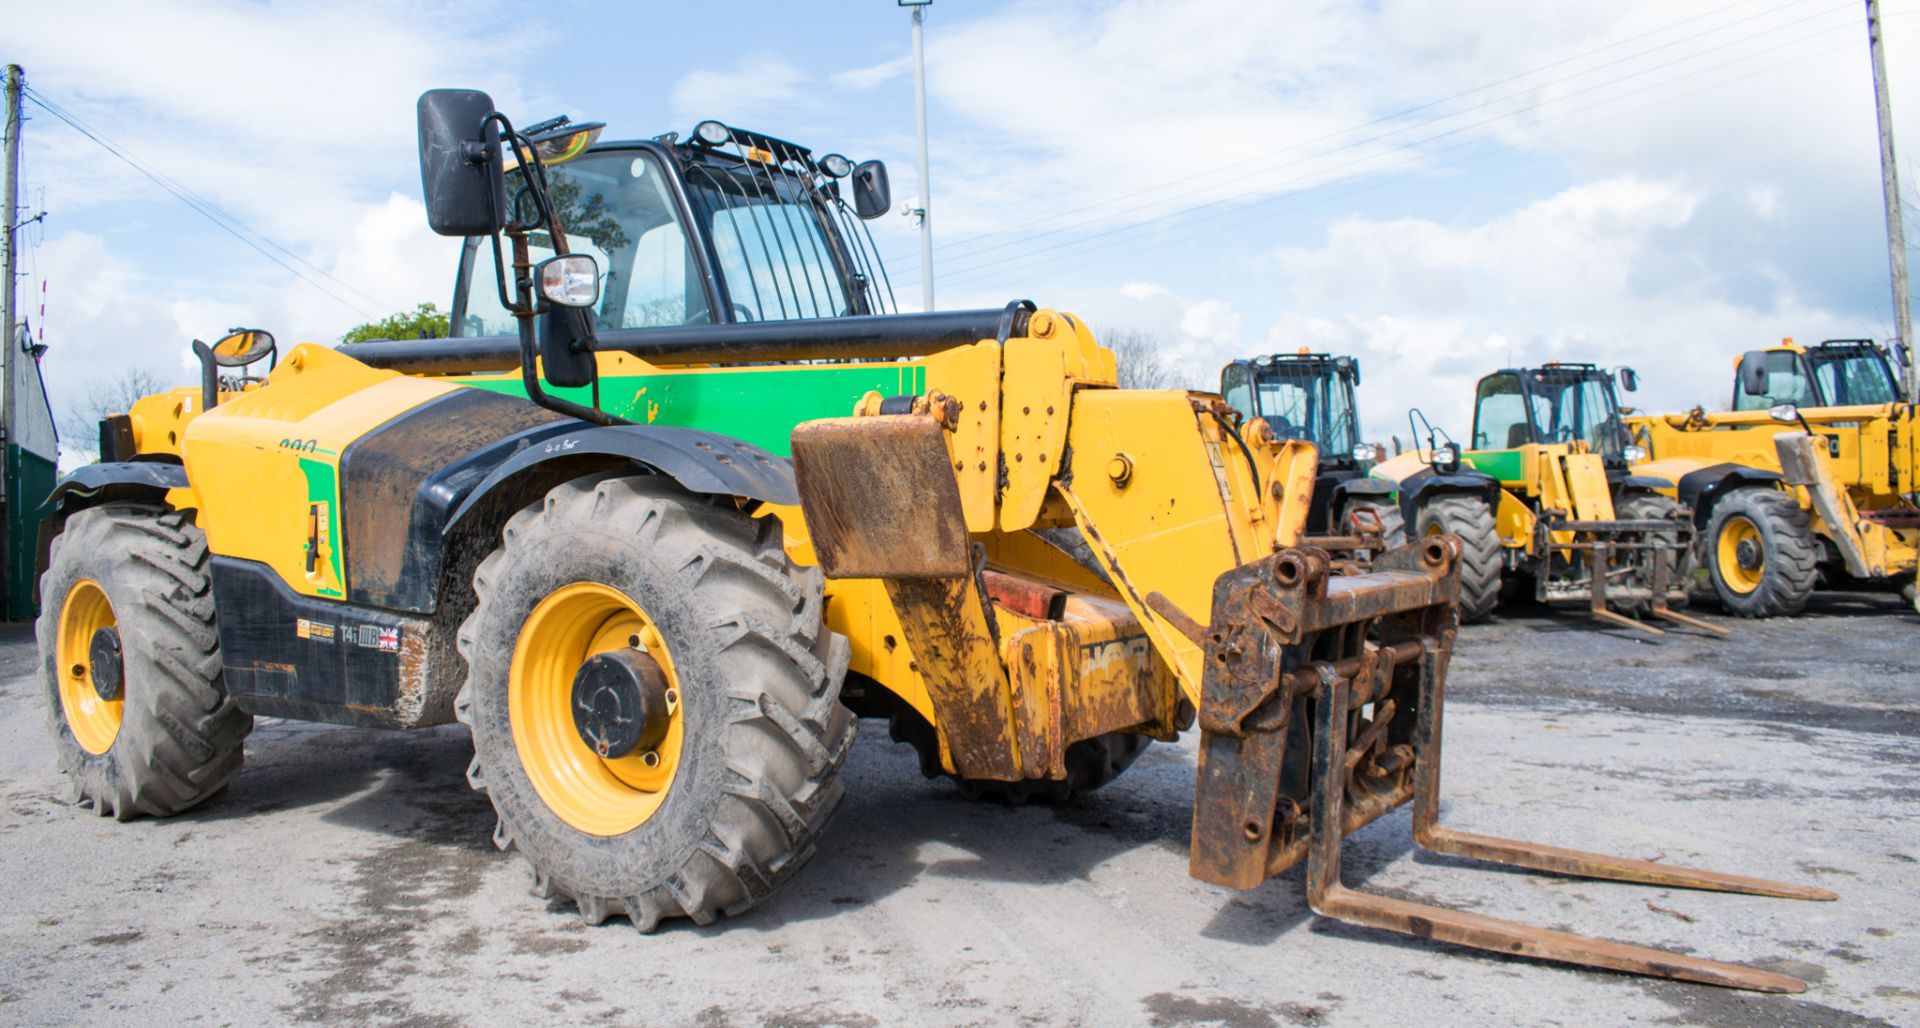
[(1812, 474), (660, 633)]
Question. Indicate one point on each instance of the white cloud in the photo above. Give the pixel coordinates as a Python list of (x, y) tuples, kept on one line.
[(744, 94), (1429, 308)]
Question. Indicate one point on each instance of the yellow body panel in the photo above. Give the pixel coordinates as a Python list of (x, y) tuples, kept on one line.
[(264, 465), (1868, 453)]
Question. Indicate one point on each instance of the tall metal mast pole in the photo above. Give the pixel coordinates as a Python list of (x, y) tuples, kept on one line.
[(9, 344), (926, 190), (1896, 228)]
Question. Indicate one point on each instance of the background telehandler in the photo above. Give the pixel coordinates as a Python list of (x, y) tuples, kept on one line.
[(1812, 474), (1561, 515), (1310, 396), (660, 633)]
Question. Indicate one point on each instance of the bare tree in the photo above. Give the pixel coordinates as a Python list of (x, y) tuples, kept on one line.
[(80, 424), (1137, 352)]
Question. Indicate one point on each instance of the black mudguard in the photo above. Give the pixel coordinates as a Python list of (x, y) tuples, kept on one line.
[(1698, 490), (145, 481)]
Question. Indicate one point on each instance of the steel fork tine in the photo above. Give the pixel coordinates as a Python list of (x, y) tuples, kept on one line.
[(1428, 833), (1328, 897)]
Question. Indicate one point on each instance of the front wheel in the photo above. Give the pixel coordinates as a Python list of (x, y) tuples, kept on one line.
[(1762, 553), (654, 700), (1393, 525), (1678, 560), (1468, 518), (130, 663)]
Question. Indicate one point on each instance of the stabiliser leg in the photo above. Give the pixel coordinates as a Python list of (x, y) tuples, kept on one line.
[(1328, 897)]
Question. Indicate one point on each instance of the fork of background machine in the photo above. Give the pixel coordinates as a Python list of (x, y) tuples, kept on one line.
[(1601, 541), (1321, 712)]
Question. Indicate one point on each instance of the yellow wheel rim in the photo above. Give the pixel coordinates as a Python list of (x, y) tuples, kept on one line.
[(95, 722), (1734, 531), (597, 795)]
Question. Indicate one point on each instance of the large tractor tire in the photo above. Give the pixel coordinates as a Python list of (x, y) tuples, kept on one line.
[(674, 633), (1762, 553), (1680, 564), (1468, 518), (130, 661), (1091, 763), (1393, 524)]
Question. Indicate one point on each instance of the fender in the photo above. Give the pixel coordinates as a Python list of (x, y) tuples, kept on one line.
[(1699, 489), (1649, 483), (703, 462), (1363, 487), (108, 482), (461, 464), (1417, 487)]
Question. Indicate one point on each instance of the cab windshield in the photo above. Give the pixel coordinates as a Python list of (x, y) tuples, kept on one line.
[(1308, 402), (1577, 407), (616, 206), (1851, 377)]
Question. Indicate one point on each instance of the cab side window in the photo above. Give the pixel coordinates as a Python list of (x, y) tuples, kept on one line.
[(1786, 383), (1500, 414), (1236, 386)]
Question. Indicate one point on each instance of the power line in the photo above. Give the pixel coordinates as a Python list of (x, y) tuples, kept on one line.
[(982, 272), (212, 212), (1357, 144)]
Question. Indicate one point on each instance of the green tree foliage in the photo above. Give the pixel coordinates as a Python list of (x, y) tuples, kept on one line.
[(426, 321)]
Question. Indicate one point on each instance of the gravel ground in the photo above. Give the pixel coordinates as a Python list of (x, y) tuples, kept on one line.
[(347, 876)]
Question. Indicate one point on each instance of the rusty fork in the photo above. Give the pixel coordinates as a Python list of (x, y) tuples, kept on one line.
[(1356, 660), (1329, 897)]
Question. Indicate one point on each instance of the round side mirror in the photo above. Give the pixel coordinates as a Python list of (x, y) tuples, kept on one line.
[(242, 346)]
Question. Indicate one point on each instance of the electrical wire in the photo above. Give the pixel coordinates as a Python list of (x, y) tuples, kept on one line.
[(959, 247), (253, 238), (1190, 216), (1229, 204)]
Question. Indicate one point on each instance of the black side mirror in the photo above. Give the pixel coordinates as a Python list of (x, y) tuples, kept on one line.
[(1629, 380), (1753, 373), (872, 196), (566, 352), (461, 172)]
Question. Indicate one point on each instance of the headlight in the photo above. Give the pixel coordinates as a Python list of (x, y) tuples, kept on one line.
[(1634, 454), (1363, 453), (712, 133), (836, 166), (1446, 458), (570, 280), (1785, 413)]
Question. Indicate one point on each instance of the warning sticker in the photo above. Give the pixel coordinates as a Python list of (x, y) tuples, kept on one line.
[(318, 631)]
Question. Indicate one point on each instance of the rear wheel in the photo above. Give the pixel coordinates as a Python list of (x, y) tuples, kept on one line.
[(130, 662), (1762, 553), (654, 700), (1679, 561), (1468, 518)]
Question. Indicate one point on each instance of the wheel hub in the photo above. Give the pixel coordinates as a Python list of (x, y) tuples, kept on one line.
[(104, 665), (621, 703), (1747, 552)]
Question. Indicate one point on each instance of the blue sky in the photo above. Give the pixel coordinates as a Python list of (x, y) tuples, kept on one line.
[(1439, 188)]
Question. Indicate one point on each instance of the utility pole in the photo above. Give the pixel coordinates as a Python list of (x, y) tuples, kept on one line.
[(920, 121), (1896, 227), (9, 343)]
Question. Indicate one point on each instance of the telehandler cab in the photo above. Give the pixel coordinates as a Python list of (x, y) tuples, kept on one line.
[(1563, 513), (1812, 473), (660, 633), (1310, 396)]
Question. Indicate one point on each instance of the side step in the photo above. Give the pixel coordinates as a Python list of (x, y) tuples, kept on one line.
[(1348, 727)]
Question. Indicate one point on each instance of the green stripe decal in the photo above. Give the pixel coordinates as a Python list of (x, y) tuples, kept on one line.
[(323, 486), (754, 405), (1505, 465)]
